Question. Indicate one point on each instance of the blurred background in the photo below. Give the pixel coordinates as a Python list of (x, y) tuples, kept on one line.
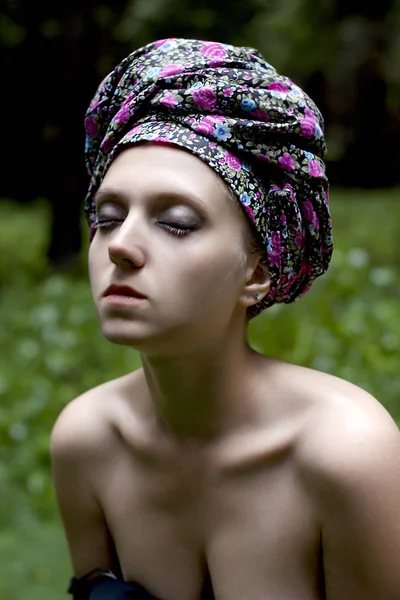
[(346, 55)]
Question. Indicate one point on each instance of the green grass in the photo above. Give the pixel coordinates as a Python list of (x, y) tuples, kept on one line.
[(52, 350)]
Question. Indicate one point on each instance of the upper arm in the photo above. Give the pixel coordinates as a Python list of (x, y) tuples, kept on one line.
[(357, 494), (73, 456)]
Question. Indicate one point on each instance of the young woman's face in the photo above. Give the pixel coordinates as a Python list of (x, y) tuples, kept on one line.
[(168, 230)]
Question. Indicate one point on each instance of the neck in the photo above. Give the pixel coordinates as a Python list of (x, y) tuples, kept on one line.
[(201, 394)]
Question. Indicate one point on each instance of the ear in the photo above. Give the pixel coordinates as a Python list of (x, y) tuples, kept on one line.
[(257, 282)]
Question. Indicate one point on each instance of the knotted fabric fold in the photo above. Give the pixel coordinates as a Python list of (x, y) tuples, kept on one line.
[(256, 128)]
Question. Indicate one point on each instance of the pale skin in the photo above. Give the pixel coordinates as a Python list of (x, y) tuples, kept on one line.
[(281, 482)]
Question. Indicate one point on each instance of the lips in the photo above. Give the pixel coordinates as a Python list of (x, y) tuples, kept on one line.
[(123, 290)]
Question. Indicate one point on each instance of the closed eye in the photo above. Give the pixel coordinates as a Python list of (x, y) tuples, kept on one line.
[(176, 229), (107, 223)]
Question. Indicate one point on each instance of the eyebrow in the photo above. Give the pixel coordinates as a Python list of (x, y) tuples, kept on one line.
[(109, 193)]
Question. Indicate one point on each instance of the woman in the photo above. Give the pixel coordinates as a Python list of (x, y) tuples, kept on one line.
[(213, 471)]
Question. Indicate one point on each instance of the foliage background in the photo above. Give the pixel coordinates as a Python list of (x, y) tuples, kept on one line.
[(345, 54)]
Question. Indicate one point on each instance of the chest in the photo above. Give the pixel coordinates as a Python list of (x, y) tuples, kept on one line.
[(250, 530)]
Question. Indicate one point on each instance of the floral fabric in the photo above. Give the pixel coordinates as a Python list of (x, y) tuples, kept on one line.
[(256, 128)]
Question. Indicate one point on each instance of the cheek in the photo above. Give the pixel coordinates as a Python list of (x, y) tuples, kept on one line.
[(95, 266), (91, 262), (207, 273)]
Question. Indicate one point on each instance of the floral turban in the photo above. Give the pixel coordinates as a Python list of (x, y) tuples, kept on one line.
[(257, 129)]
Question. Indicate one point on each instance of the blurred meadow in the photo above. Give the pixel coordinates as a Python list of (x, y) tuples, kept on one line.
[(52, 350)]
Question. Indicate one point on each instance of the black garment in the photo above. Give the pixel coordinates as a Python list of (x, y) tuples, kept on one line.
[(101, 584), (104, 585)]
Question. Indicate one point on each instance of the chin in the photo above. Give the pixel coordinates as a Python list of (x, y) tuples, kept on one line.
[(125, 336), (149, 338), (138, 336)]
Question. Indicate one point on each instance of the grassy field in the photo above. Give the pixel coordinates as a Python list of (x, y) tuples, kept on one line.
[(52, 350)]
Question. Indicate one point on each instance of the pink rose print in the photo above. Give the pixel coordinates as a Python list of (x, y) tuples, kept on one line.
[(306, 269), (135, 129), (169, 99), (310, 214), (278, 86), (206, 125), (91, 127), (309, 114), (108, 144), (170, 70), (288, 188), (232, 161), (213, 50), (286, 162), (307, 126), (276, 240), (122, 115), (314, 169), (162, 140), (228, 92), (205, 98), (308, 210), (274, 249), (249, 211), (260, 115), (131, 96)]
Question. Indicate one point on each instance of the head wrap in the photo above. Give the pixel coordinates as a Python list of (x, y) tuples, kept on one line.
[(257, 129)]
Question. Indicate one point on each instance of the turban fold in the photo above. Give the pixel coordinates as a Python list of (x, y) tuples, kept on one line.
[(256, 128)]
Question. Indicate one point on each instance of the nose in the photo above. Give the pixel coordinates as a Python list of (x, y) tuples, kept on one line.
[(126, 248)]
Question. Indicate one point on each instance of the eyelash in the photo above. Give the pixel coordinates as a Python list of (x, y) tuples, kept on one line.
[(106, 224), (175, 230), (179, 231)]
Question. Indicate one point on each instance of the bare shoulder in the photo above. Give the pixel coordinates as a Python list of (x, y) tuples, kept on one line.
[(348, 459), (86, 423), (83, 442), (348, 433)]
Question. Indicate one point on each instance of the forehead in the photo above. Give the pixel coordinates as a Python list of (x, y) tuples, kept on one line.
[(156, 169)]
